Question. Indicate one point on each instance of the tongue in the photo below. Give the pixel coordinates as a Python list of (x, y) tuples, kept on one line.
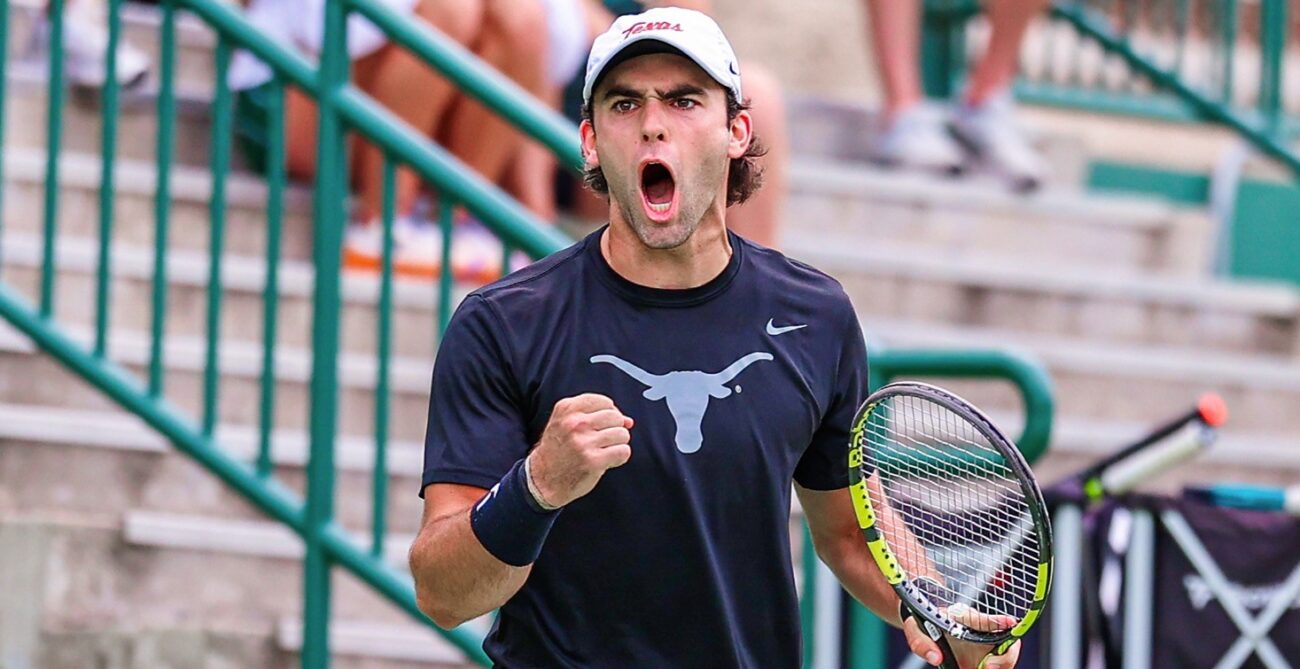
[(659, 190)]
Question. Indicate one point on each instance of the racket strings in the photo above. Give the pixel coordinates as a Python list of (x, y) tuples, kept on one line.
[(964, 518)]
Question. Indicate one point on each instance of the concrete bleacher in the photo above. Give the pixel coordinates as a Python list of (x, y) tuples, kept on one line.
[(120, 548)]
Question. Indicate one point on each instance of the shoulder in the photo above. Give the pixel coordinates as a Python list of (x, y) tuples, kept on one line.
[(533, 285), (797, 280)]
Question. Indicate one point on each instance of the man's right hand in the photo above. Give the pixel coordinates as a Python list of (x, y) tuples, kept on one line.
[(586, 436)]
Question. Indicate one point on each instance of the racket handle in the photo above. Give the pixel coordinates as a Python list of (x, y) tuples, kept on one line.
[(1245, 496), (1125, 475), (949, 659)]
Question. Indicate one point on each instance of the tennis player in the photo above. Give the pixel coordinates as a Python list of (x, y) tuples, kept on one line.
[(613, 431)]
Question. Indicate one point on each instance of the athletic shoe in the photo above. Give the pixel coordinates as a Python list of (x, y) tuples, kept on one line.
[(918, 138), (85, 50), (995, 136), (475, 252), (417, 247)]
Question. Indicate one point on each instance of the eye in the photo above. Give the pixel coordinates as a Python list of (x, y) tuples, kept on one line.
[(623, 106), (685, 103)]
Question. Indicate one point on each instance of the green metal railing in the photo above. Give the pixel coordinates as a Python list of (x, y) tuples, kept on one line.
[(342, 108), (1218, 61)]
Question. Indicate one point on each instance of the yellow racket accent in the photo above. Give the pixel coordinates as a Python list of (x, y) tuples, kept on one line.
[(886, 561), (862, 505)]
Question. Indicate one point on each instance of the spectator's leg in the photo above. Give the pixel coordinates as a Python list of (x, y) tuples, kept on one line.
[(530, 176), (895, 27), (759, 219), (410, 89), (1009, 20), (986, 121), (299, 134), (912, 134), (514, 42)]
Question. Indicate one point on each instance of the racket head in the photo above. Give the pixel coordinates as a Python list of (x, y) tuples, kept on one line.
[(951, 513)]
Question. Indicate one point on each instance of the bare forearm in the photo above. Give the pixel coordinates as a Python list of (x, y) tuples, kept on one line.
[(456, 579), (851, 562)]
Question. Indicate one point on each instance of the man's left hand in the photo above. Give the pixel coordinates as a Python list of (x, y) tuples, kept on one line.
[(969, 655)]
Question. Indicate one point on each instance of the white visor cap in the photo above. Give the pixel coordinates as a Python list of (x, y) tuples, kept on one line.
[(687, 31)]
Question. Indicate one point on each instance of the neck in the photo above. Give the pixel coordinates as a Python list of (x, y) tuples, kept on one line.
[(696, 262)]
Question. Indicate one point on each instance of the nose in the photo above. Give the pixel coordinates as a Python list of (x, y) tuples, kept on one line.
[(653, 128)]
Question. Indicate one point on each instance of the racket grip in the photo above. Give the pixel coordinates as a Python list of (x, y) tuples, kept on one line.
[(1142, 466), (949, 660)]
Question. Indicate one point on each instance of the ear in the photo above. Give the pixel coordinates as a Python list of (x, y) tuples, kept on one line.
[(742, 134), (587, 132)]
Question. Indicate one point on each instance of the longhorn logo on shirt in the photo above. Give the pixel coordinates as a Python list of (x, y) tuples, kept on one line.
[(687, 393)]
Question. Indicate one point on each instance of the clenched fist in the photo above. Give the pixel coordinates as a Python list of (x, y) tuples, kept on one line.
[(586, 436)]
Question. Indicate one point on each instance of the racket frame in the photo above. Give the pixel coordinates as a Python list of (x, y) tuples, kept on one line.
[(911, 596)]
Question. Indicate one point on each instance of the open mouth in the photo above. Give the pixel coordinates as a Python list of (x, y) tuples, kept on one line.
[(658, 189)]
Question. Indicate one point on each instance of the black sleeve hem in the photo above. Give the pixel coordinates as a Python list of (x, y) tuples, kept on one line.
[(476, 479), (824, 485)]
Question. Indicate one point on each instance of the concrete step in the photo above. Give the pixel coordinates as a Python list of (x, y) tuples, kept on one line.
[(377, 644), (102, 464), (834, 129), (1141, 384), (1262, 458), (121, 645), (243, 281), (141, 26), (851, 205), (26, 106), (134, 206), (1131, 308), (239, 393), (91, 576)]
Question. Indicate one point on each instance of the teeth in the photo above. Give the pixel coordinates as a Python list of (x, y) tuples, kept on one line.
[(660, 208)]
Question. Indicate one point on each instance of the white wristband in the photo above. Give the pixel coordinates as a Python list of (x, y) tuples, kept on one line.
[(532, 487)]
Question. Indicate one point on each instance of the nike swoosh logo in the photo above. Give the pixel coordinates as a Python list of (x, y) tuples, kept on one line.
[(774, 330)]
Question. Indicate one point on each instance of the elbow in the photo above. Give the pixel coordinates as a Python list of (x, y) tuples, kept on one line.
[(834, 550), (429, 600), (437, 610)]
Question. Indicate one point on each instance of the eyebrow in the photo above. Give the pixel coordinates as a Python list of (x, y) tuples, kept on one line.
[(680, 91)]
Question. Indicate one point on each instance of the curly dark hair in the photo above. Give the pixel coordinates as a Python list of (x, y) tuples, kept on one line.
[(744, 175)]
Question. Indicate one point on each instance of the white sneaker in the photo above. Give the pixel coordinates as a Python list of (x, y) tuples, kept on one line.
[(996, 137), (85, 47), (476, 253), (417, 247), (918, 138)]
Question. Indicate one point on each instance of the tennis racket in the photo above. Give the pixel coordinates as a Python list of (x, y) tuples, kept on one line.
[(951, 514), (1178, 440)]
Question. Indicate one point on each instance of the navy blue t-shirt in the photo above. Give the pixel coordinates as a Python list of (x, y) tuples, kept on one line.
[(681, 557)]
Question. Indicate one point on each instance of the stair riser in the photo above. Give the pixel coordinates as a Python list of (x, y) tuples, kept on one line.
[(856, 220), (239, 398), (104, 580), (413, 333), (830, 130), (1127, 397), (881, 293), (134, 220), (1057, 466), (82, 130), (104, 484), (172, 647)]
